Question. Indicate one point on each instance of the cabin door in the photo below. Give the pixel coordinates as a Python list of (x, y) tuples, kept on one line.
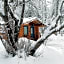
[(32, 31)]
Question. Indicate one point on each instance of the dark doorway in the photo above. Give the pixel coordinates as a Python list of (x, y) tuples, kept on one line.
[(32, 31)]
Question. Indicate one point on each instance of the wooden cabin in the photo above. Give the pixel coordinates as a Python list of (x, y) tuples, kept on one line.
[(30, 29)]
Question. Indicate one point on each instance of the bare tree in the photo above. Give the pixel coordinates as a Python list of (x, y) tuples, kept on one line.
[(11, 33)]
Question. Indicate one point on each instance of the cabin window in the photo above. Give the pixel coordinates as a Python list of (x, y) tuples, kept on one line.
[(25, 30)]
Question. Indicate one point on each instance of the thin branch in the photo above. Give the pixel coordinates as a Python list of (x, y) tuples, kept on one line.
[(23, 3), (57, 18), (12, 15)]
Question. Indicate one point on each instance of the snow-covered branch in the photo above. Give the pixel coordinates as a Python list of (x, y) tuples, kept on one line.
[(12, 15), (2, 15), (50, 30)]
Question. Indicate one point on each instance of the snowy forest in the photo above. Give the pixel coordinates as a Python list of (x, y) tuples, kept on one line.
[(48, 48)]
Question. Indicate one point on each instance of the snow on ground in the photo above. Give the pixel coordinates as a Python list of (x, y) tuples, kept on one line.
[(52, 53)]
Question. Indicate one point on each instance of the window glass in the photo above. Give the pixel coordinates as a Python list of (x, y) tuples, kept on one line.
[(25, 30)]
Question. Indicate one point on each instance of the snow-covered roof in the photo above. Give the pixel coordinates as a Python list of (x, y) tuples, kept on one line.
[(30, 19), (26, 20)]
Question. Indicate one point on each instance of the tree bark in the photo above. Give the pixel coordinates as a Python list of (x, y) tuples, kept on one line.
[(17, 28)]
